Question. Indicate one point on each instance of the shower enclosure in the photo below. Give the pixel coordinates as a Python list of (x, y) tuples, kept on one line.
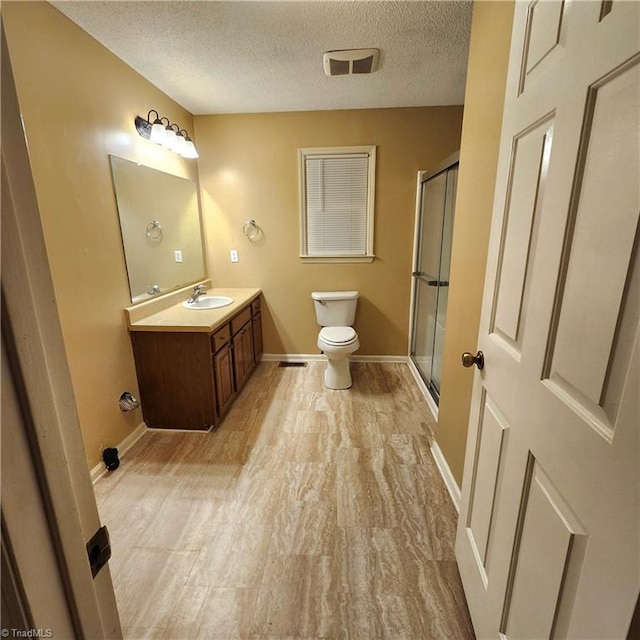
[(430, 278)]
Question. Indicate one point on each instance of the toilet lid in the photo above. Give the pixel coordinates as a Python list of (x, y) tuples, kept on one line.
[(338, 335)]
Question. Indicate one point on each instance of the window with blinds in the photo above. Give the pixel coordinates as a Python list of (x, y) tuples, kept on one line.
[(336, 203)]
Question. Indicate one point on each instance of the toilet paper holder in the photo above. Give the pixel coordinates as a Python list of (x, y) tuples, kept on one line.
[(128, 402)]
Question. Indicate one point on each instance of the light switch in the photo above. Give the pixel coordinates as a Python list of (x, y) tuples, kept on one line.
[(233, 255), (177, 255)]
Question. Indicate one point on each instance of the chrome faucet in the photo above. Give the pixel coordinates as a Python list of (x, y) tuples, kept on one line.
[(198, 290)]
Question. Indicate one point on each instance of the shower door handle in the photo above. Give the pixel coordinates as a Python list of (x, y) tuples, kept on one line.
[(430, 283)]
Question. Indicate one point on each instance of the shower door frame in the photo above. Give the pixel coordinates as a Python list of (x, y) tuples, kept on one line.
[(422, 177)]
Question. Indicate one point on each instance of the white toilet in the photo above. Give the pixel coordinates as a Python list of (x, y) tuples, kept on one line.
[(335, 313)]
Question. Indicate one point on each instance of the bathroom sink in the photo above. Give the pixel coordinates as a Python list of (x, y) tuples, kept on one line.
[(208, 302)]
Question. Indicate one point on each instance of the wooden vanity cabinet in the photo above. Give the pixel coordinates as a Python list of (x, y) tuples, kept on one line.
[(223, 368), (176, 379), (256, 324), (188, 380), (242, 341)]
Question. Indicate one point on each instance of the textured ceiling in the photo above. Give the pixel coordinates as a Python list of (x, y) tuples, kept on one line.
[(248, 57)]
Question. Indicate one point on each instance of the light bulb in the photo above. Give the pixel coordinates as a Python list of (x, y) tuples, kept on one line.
[(169, 138), (157, 132), (180, 144), (190, 150)]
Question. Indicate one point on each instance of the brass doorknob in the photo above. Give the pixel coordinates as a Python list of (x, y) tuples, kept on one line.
[(468, 359)]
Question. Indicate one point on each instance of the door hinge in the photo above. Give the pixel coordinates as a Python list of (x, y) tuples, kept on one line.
[(99, 550)]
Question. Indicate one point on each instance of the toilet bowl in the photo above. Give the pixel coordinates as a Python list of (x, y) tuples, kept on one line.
[(337, 344), (336, 341)]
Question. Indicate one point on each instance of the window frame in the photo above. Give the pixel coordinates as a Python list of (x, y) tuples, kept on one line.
[(303, 154)]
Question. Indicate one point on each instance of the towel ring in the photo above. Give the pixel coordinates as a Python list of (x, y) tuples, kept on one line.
[(250, 229), (154, 230)]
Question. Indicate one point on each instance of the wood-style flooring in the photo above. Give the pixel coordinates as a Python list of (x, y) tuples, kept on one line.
[(308, 513)]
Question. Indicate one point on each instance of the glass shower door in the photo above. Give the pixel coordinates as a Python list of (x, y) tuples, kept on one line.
[(443, 281), (431, 275)]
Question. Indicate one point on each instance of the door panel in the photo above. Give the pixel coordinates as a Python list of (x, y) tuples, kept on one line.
[(443, 277), (545, 539), (434, 192), (543, 38), (527, 176), (543, 31), (548, 533), (599, 251), (490, 446), (424, 327), (431, 211)]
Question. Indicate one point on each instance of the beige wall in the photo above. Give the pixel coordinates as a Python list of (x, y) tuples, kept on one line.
[(78, 102), (486, 77), (248, 169)]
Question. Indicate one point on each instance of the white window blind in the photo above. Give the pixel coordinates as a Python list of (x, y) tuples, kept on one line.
[(337, 203), (337, 193)]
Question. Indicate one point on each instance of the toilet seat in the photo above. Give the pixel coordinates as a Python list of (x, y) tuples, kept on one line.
[(338, 336)]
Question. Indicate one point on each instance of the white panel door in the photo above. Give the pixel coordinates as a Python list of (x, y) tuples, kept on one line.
[(548, 537)]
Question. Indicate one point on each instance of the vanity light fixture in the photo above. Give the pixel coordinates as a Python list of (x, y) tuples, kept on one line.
[(169, 135)]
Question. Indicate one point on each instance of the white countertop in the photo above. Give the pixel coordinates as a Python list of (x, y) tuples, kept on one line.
[(176, 318)]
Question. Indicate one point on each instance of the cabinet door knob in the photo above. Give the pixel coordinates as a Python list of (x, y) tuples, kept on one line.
[(468, 360)]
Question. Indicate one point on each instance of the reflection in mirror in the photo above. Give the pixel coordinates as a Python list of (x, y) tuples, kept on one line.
[(160, 224)]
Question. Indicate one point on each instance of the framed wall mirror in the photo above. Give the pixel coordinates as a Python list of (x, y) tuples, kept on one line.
[(161, 228)]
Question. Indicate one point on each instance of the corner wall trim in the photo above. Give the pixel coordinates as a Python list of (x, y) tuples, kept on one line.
[(447, 476), (318, 357), (100, 470)]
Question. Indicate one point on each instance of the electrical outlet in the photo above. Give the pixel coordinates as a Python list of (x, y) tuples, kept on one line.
[(177, 256), (233, 255)]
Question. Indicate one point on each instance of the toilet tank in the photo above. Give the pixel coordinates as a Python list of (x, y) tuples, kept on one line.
[(335, 308)]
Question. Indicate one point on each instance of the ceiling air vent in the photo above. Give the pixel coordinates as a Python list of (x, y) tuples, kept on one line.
[(348, 61)]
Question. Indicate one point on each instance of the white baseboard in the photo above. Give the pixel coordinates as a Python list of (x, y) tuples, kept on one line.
[(100, 470), (292, 357), (447, 475), (397, 359), (172, 430), (438, 456), (318, 357)]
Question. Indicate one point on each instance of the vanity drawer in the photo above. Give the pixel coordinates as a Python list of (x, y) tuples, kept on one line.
[(240, 320), (255, 306), (221, 337)]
